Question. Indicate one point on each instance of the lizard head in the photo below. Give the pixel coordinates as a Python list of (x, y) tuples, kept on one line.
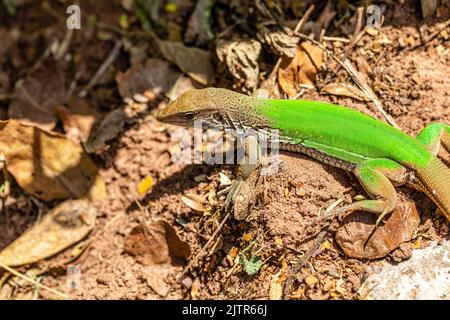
[(196, 104)]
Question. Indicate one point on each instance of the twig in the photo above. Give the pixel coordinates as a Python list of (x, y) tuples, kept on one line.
[(301, 262), (24, 277), (195, 259), (337, 39), (431, 36), (359, 19), (298, 28), (356, 76), (105, 65), (62, 49)]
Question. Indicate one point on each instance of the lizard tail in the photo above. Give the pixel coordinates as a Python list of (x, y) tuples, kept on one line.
[(435, 182)]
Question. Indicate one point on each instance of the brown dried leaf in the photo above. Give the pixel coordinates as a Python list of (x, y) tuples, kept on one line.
[(155, 278), (193, 61), (77, 118), (152, 74), (428, 7), (42, 90), (302, 69), (399, 228), (157, 243), (282, 43), (241, 59), (47, 164), (198, 28), (183, 84), (60, 228), (344, 89), (108, 129), (195, 202)]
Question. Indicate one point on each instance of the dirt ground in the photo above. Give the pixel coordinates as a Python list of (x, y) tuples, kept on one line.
[(411, 80)]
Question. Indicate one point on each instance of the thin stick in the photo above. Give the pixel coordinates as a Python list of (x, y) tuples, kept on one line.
[(301, 262), (195, 259), (337, 39), (431, 36), (359, 20), (356, 76), (105, 65), (20, 275), (298, 28)]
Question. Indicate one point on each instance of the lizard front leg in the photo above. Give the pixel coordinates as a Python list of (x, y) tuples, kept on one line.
[(250, 163), (434, 135), (377, 177)]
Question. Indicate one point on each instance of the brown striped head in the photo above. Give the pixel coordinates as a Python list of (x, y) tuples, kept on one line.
[(213, 106)]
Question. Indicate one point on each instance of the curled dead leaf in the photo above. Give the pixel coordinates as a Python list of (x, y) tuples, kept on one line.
[(154, 75), (282, 43), (300, 70), (47, 164), (344, 89), (241, 59), (198, 28), (353, 235), (193, 61), (195, 202), (42, 90), (60, 228), (182, 85), (108, 129)]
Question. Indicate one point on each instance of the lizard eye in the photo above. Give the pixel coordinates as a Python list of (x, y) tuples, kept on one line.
[(189, 115)]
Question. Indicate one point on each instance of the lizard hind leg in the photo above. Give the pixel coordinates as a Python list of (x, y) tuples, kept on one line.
[(433, 135), (375, 176)]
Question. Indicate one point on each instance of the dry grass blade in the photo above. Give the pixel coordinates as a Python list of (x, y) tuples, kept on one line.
[(195, 259), (39, 285), (356, 76)]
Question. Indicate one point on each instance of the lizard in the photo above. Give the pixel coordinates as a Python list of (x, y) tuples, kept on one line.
[(379, 155)]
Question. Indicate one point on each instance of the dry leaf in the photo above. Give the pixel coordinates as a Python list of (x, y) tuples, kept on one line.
[(241, 59), (155, 278), (282, 43), (198, 28), (428, 7), (276, 285), (182, 85), (353, 236), (77, 118), (42, 90), (157, 243), (344, 89), (193, 61), (195, 202), (302, 69), (108, 129), (154, 75), (59, 229), (47, 164)]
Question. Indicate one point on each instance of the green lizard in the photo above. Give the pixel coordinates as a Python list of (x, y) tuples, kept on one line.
[(380, 155)]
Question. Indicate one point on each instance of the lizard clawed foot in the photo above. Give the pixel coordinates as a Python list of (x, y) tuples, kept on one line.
[(373, 206), (231, 192)]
